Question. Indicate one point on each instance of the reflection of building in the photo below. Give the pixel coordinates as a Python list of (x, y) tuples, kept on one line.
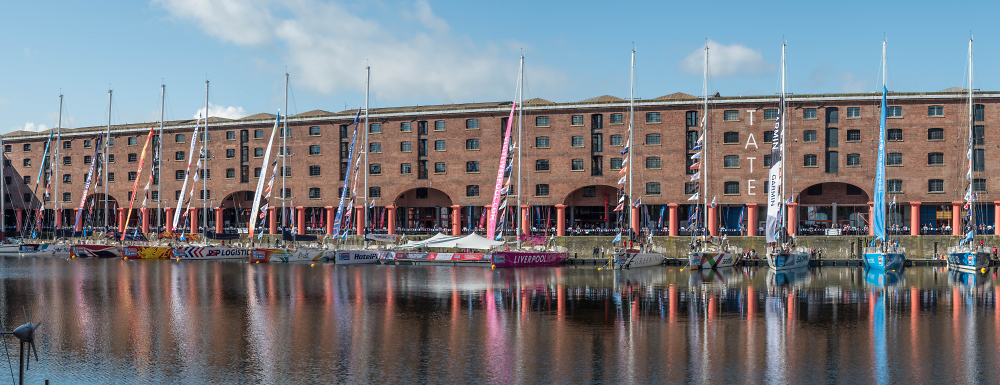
[(435, 166)]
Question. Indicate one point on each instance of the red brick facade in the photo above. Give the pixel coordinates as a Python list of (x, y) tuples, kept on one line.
[(568, 140)]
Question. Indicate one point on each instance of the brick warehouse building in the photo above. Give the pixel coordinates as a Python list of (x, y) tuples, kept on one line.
[(432, 164)]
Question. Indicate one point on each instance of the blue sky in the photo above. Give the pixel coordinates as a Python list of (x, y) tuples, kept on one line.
[(431, 52)]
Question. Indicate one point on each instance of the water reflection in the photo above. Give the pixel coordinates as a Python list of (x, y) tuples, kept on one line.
[(162, 321)]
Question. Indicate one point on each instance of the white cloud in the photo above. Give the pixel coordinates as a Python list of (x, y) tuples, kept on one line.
[(328, 46), (31, 127), (727, 60), (221, 112)]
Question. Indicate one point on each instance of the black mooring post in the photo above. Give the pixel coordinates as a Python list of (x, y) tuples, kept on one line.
[(20, 374)]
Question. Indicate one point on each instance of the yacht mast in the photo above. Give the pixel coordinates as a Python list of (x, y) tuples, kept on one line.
[(364, 206), (284, 146), (704, 159), (159, 162), (204, 173), (631, 127), (972, 133), (520, 119), (107, 146), (784, 205), (56, 160)]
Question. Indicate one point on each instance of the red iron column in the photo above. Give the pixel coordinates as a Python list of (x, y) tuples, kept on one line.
[(751, 219), (674, 223), (914, 218), (561, 220)]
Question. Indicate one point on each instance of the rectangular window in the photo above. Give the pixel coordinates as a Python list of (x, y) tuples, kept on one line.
[(131, 176), (67, 197), (978, 135), (616, 140), (832, 115), (853, 160), (205, 174), (652, 117), (853, 135), (832, 160), (230, 135), (132, 158), (67, 178), (541, 190), (653, 139), (405, 127), (439, 168), (375, 147), (935, 134), (731, 115), (179, 175), (616, 163), (979, 112), (731, 188), (979, 160), (894, 159), (767, 160), (472, 124), (373, 169), (315, 170), (230, 153), (808, 113), (27, 163), (577, 141), (67, 160), (542, 142), (770, 114), (542, 165), (576, 165), (731, 161), (67, 144), (541, 121), (87, 159), (691, 118), (315, 149), (935, 158), (86, 143), (111, 177), (258, 152), (653, 188), (154, 196), (853, 112), (809, 160), (256, 172), (690, 187), (314, 131), (979, 185), (894, 185), (438, 145), (472, 166), (132, 141), (731, 137), (438, 125), (894, 134), (809, 136), (179, 155), (894, 112), (374, 192), (577, 120), (653, 162), (230, 173), (375, 128), (258, 134), (935, 110), (616, 118), (935, 185), (314, 193), (768, 136), (404, 147), (405, 168)]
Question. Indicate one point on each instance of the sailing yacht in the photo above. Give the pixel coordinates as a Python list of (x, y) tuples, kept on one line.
[(504, 186), (881, 253), (969, 255), (782, 253), (628, 258), (706, 252)]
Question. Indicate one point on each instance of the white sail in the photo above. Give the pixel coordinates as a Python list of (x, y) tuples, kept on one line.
[(260, 180), (180, 198)]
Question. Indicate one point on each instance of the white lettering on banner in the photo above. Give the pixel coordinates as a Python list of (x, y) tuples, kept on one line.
[(751, 140), (751, 115), (750, 186)]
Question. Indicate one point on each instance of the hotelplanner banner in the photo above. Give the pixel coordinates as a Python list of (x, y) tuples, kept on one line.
[(416, 255), (466, 256), (440, 256)]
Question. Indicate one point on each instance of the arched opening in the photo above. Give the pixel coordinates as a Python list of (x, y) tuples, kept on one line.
[(424, 209), (840, 207), (236, 211), (590, 210), (94, 213)]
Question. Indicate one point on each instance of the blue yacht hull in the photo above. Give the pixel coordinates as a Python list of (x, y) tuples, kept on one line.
[(885, 261)]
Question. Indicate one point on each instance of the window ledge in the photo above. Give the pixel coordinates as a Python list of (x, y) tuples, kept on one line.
[(935, 165), (853, 166), (852, 141), (544, 148), (472, 172), (935, 140), (543, 126), (576, 125), (810, 118), (894, 165), (893, 117), (541, 170), (653, 168), (654, 122), (541, 196), (935, 116), (856, 117), (935, 192), (732, 168), (653, 144), (810, 166), (730, 195), (475, 149), (730, 144), (575, 170), (731, 121)]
